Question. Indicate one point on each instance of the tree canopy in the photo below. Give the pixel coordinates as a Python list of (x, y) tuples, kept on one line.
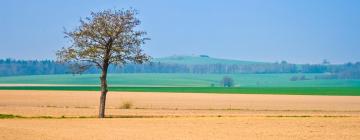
[(108, 35)]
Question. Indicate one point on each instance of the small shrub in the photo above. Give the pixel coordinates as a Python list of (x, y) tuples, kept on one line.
[(126, 105), (7, 116)]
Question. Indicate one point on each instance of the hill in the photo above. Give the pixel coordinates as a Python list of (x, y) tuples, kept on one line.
[(201, 59)]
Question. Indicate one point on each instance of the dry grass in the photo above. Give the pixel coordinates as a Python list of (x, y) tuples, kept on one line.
[(177, 116), (182, 128), (127, 105)]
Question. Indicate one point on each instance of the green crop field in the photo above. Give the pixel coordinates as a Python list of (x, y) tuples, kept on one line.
[(181, 80), (195, 83)]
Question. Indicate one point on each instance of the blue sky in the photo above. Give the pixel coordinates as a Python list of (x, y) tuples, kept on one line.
[(299, 31)]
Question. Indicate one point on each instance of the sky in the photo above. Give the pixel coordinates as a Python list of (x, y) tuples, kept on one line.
[(298, 31)]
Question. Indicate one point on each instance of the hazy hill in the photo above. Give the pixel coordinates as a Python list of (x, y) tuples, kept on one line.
[(201, 59)]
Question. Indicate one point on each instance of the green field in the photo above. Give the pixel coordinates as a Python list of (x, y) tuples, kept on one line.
[(180, 80), (196, 83)]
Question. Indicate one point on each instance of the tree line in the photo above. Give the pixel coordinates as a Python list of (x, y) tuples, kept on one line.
[(9, 67)]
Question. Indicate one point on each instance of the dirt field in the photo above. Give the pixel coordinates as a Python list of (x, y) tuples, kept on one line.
[(179, 116)]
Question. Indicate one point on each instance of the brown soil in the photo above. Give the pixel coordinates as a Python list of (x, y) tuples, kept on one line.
[(182, 128), (180, 116)]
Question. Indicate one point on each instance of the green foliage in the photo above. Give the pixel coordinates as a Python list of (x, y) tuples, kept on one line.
[(8, 116)]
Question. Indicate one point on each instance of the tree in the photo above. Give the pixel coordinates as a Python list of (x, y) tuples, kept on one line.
[(326, 62), (104, 38), (227, 82)]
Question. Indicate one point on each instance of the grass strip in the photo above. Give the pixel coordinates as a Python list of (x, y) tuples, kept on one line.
[(331, 91), (10, 116)]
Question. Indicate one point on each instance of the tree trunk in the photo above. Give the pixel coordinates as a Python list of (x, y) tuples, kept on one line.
[(104, 90), (104, 87)]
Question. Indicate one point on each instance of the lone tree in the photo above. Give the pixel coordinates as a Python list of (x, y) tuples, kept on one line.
[(104, 38), (227, 82)]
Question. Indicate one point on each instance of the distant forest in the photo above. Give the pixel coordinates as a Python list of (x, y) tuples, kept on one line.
[(10, 67)]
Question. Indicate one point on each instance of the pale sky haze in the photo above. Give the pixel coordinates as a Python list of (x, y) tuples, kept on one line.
[(299, 31)]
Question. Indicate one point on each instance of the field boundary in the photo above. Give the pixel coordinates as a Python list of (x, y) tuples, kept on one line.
[(12, 116), (328, 91)]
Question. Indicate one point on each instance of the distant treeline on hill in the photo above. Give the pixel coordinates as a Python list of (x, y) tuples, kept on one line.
[(9, 67)]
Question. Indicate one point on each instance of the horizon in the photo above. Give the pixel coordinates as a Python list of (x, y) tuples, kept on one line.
[(199, 56), (299, 32)]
